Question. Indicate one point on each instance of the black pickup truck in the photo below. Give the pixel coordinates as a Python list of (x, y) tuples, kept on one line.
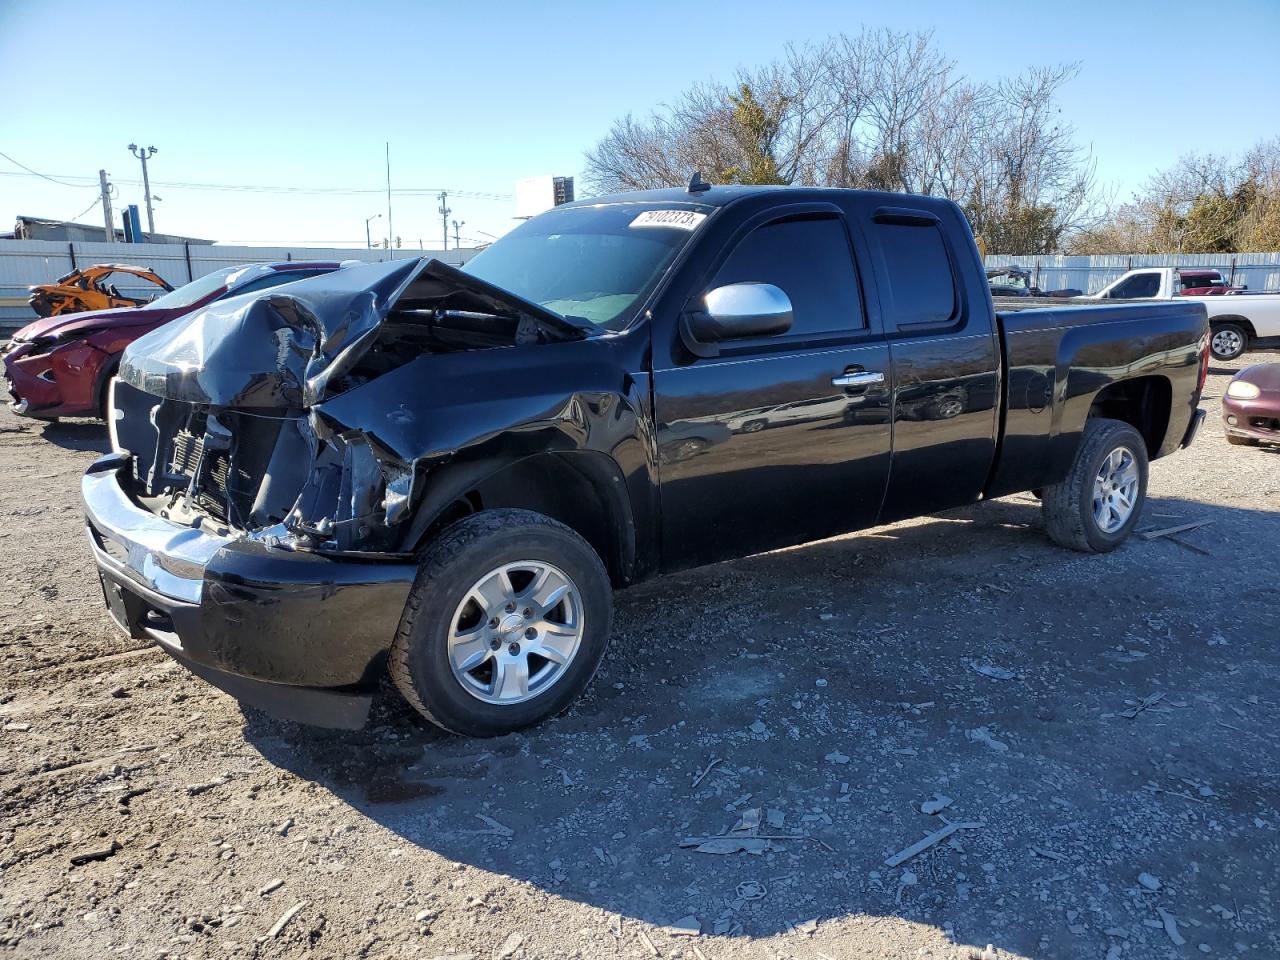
[(440, 473)]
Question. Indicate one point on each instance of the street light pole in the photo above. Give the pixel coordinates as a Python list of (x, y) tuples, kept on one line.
[(368, 241), (145, 155)]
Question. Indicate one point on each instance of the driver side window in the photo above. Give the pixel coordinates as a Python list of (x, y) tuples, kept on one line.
[(811, 262)]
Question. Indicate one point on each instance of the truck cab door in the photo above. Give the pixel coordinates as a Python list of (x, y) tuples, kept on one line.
[(769, 441), (945, 357)]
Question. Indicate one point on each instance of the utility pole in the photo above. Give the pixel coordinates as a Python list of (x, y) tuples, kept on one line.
[(144, 156), (456, 242), (368, 240), (390, 230), (106, 206), (444, 215)]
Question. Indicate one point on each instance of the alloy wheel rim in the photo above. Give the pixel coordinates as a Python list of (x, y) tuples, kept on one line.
[(516, 631), (1115, 490), (1226, 343)]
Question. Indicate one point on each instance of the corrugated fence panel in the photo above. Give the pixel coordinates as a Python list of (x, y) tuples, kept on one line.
[(27, 262), (1257, 271)]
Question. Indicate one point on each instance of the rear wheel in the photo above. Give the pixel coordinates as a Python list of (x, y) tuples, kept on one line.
[(505, 626), (1097, 505), (1228, 341)]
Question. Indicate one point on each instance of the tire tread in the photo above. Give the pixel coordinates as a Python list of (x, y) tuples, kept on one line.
[(442, 552), (1060, 502)]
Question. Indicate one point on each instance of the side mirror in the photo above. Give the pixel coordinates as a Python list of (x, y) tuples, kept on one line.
[(734, 311)]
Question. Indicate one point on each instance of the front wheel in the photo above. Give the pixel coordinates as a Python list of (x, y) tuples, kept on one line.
[(1228, 341), (505, 625), (1097, 505)]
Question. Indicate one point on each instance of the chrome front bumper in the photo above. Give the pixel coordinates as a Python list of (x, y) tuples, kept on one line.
[(163, 557)]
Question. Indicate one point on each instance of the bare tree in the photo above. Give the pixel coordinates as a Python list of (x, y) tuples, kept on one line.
[(883, 110)]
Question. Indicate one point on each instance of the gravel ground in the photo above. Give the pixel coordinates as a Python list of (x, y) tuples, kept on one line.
[(1104, 727)]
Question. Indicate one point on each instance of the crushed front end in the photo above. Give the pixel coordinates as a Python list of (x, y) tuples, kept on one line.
[(239, 523)]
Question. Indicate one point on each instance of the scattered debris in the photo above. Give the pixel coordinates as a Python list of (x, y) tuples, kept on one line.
[(902, 856), (285, 917), (939, 803), (1190, 546), (1180, 528), (119, 693), (807, 927), (270, 887), (102, 853), (510, 945), (1048, 854), (820, 682), (703, 775), (992, 671), (648, 944), (1149, 881), (605, 857), (983, 735), (283, 829), (1140, 705), (752, 890), (835, 756), (194, 789), (775, 818), (696, 952), (17, 727), (686, 927), (495, 828), (1171, 926), (759, 728), (725, 845), (908, 879)]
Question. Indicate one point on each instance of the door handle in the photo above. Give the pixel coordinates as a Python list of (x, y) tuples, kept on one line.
[(861, 378)]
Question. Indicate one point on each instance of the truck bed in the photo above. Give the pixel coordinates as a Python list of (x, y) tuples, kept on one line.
[(1059, 358)]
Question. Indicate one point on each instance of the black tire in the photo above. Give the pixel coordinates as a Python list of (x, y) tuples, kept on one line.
[(1228, 340), (1068, 506), (1236, 441), (104, 397), (448, 568)]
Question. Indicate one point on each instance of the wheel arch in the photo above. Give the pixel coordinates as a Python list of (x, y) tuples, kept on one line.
[(1244, 322), (1145, 403), (583, 489)]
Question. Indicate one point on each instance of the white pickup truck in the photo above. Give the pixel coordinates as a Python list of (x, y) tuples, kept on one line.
[(1239, 320)]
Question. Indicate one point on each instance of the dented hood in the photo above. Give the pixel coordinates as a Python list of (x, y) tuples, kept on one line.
[(276, 350)]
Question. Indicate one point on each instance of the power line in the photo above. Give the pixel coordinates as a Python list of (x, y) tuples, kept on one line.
[(96, 201), (36, 173), (260, 188)]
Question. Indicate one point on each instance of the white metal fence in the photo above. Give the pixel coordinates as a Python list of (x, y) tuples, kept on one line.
[(1257, 271), (27, 262)]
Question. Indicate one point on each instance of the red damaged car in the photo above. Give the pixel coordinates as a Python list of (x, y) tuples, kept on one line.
[(61, 366)]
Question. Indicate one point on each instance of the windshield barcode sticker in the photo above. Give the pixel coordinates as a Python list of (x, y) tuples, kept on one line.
[(680, 219)]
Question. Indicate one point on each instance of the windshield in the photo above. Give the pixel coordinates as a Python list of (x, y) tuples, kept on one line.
[(195, 291), (589, 263)]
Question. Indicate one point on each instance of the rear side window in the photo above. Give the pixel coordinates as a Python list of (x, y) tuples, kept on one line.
[(1137, 286), (922, 285), (811, 262)]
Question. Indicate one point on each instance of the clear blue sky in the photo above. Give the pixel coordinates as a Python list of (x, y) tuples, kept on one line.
[(474, 95)]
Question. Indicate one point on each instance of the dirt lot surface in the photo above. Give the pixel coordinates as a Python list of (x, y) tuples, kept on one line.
[(1106, 728)]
